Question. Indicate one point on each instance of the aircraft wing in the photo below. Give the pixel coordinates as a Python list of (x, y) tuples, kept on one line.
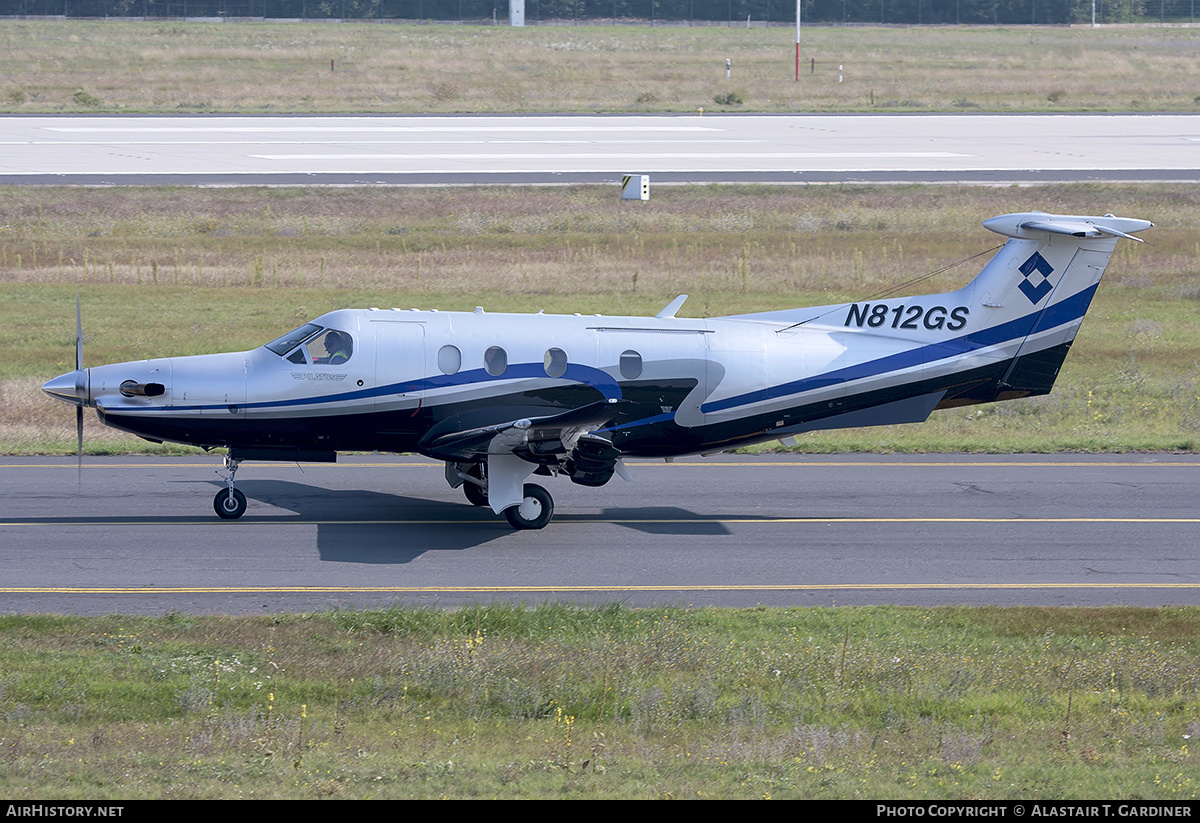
[(527, 436)]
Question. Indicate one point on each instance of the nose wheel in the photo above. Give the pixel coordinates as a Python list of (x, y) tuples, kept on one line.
[(229, 504)]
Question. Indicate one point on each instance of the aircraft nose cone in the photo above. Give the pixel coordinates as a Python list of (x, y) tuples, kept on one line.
[(71, 387)]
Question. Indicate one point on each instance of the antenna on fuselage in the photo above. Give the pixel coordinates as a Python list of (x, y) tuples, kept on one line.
[(892, 290)]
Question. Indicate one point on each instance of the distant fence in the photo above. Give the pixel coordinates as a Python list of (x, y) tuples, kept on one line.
[(636, 12)]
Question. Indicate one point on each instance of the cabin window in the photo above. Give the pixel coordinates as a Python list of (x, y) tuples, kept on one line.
[(556, 362), (449, 359), (631, 365), (495, 360), (297, 357)]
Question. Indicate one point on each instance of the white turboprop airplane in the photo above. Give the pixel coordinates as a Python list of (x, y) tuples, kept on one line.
[(499, 397)]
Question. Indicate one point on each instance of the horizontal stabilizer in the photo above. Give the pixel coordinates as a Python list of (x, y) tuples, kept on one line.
[(1029, 225)]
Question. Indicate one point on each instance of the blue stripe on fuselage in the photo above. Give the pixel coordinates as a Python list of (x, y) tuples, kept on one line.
[(1065, 311), (600, 380)]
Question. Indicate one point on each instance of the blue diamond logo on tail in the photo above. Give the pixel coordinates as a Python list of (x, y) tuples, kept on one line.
[(1036, 268)]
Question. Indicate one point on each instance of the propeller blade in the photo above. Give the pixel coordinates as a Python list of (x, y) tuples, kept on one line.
[(78, 445), (78, 334), (78, 374)]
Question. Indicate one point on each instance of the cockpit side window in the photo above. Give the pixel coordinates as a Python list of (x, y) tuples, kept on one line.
[(333, 348), (283, 345)]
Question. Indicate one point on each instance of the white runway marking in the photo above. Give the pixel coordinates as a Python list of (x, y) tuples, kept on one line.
[(73, 144), (676, 155), (350, 127)]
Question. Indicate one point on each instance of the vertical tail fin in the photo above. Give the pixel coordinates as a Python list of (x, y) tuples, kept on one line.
[(1039, 286)]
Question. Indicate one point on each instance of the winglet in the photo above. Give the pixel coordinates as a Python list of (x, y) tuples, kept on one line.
[(672, 307)]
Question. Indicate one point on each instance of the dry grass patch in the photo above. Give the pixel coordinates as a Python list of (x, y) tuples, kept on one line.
[(167, 271), (87, 66)]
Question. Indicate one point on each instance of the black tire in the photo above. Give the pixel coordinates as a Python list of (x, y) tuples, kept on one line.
[(228, 509), (476, 495), (538, 508)]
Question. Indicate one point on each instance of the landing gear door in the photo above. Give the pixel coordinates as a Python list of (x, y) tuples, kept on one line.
[(400, 366)]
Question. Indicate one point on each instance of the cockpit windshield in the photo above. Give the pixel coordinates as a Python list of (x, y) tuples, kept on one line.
[(282, 345), (314, 344)]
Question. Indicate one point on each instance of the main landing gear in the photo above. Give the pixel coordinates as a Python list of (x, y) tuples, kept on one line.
[(229, 504), (474, 484), (498, 485), (534, 511)]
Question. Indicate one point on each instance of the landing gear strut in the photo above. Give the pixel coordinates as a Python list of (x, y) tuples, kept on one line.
[(475, 485), (229, 504), (497, 484)]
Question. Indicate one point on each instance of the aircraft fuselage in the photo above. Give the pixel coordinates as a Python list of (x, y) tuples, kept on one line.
[(497, 396)]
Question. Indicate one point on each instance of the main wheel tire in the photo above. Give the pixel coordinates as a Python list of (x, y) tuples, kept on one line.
[(228, 508), (534, 511), (476, 495)]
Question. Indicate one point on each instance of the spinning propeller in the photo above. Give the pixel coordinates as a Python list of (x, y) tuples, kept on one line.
[(80, 383), (74, 387)]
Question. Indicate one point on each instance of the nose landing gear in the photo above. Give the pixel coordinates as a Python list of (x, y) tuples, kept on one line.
[(229, 504)]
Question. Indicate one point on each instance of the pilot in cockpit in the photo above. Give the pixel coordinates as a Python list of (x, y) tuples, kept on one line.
[(339, 346)]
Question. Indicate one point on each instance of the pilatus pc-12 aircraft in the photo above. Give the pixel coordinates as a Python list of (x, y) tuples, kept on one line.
[(499, 397)]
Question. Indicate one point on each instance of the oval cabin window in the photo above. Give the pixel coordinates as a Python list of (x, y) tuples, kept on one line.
[(495, 360), (631, 365), (556, 362), (449, 359)]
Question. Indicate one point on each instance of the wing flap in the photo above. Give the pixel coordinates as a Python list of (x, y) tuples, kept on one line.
[(549, 433)]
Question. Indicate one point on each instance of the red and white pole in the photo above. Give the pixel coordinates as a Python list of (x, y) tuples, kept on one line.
[(798, 40)]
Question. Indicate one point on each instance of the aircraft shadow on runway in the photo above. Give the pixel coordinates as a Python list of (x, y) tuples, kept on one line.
[(359, 526), (364, 526)]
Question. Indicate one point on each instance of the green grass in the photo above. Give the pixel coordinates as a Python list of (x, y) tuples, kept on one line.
[(577, 702), (169, 67), (173, 271)]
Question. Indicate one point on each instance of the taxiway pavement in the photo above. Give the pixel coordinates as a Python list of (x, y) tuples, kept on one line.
[(138, 535)]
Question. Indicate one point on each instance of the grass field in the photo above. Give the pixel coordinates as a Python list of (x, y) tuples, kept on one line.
[(172, 67), (165, 271), (605, 702)]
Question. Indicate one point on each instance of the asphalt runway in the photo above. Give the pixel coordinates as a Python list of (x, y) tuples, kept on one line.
[(137, 535), (691, 148)]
